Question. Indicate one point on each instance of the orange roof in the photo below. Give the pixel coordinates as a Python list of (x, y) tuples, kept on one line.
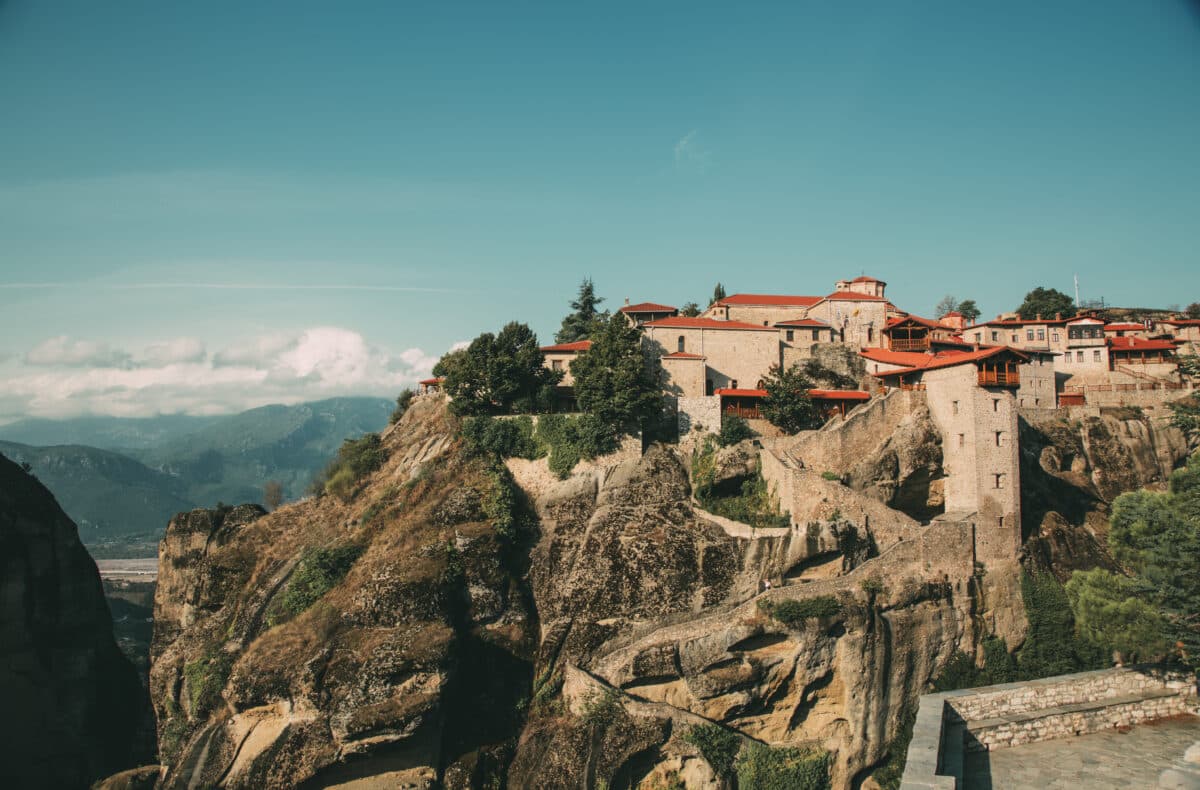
[(1182, 322), (804, 322), (682, 355), (909, 359), (946, 359), (683, 322), (853, 296), (770, 300), (647, 307), (428, 382), (916, 319), (1139, 344), (578, 345), (865, 279), (743, 393), (839, 394), (1123, 327)]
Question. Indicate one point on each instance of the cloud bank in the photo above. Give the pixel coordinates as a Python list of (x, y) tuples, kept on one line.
[(67, 377)]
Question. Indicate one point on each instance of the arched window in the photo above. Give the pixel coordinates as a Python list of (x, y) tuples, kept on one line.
[(680, 343)]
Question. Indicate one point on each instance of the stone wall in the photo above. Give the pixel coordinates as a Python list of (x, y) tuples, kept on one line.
[(702, 413), (1013, 714)]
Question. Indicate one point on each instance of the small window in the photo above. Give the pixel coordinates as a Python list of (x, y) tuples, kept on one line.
[(962, 440), (790, 335), (1078, 356), (999, 438), (954, 407), (1096, 355), (679, 344), (1014, 338), (1000, 522), (1054, 337), (556, 364), (995, 337), (1041, 334), (816, 335), (998, 480), (1029, 334), (1037, 401), (708, 387), (978, 336), (1067, 358), (764, 323), (870, 334), (995, 404), (733, 384)]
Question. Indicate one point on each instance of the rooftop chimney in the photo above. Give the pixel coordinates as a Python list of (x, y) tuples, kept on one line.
[(1058, 316), (1039, 316)]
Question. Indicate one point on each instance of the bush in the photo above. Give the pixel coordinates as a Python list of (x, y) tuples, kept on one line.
[(403, 401), (571, 439), (734, 430), (763, 768), (718, 745), (318, 572), (502, 504), (754, 505), (601, 708), (356, 459), (503, 438), (795, 613), (960, 671), (206, 678), (834, 476), (563, 458)]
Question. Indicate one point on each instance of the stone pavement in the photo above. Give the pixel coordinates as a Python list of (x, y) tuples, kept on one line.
[(1164, 754)]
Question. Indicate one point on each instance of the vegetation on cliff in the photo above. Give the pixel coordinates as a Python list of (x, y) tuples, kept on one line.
[(788, 406), (499, 373)]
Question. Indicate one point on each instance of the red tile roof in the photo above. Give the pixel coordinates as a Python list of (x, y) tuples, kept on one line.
[(682, 355), (429, 382), (839, 394), (1140, 344), (803, 322), (1123, 327), (853, 296), (946, 359), (1182, 322), (770, 300), (647, 307), (865, 279), (683, 322), (916, 319), (578, 345), (743, 393)]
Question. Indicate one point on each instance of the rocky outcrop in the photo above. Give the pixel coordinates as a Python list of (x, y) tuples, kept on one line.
[(407, 671), (74, 709), (1072, 471)]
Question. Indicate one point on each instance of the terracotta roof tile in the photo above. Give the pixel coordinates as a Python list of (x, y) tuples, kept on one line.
[(683, 322), (578, 345), (770, 300), (682, 355), (647, 307)]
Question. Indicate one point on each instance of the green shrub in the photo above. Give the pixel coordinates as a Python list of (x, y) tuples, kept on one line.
[(754, 505), (795, 613), (341, 484), (206, 678), (718, 745), (1051, 646), (872, 586), (834, 476), (502, 438), (502, 502), (403, 401), (563, 458), (356, 459), (960, 671), (763, 768), (733, 430), (601, 708), (318, 572), (571, 439)]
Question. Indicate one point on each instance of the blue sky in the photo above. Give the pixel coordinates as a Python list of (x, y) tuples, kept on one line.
[(453, 166)]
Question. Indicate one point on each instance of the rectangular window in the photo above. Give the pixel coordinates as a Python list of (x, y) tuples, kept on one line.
[(1078, 356), (999, 438), (1054, 337), (1029, 334), (556, 364), (995, 404), (790, 335), (1000, 522), (995, 336), (978, 336), (1041, 334), (1014, 338), (1067, 358), (1096, 355), (999, 480), (962, 440), (954, 407), (816, 335)]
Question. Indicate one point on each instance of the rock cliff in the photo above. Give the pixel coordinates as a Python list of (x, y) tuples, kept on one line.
[(74, 708)]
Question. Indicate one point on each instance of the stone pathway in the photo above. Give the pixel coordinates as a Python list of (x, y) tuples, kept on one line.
[(1164, 754)]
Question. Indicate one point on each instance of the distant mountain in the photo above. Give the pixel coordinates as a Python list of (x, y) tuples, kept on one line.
[(120, 434), (141, 472), (109, 496), (231, 459)]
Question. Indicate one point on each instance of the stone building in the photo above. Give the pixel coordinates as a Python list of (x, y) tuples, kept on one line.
[(702, 355), (560, 356), (1186, 330), (642, 312)]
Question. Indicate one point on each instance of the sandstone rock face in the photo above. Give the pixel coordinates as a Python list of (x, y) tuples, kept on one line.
[(405, 673), (73, 704)]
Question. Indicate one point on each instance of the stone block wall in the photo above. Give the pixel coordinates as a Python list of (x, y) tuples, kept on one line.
[(703, 413)]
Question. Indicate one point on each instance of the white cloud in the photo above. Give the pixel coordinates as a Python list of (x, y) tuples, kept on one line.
[(64, 351), (690, 153), (64, 377)]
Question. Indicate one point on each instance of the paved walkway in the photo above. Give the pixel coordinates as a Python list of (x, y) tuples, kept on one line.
[(1160, 755)]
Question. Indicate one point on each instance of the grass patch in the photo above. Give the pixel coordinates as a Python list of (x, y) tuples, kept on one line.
[(832, 476), (718, 746), (206, 678), (754, 505), (356, 459), (763, 768), (796, 613), (319, 571), (601, 708)]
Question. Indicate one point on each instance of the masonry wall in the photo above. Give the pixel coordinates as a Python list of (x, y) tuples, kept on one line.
[(1037, 390), (862, 322), (979, 443), (741, 355), (750, 314), (683, 378), (699, 413)]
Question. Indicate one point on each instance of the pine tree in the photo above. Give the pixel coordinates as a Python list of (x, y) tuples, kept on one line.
[(718, 293), (584, 318), (614, 381)]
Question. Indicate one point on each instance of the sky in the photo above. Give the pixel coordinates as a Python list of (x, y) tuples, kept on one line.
[(209, 206)]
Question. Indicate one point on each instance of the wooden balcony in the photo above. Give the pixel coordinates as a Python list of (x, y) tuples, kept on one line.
[(998, 376), (745, 412), (913, 344)]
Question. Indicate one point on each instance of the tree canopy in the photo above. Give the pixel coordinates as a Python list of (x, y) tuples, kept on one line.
[(1192, 310), (718, 293), (1155, 609), (584, 316), (498, 374), (945, 305), (614, 380), (788, 405), (690, 310), (1045, 302), (969, 310)]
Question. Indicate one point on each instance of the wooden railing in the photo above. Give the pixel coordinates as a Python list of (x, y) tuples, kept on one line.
[(919, 344), (745, 412), (999, 378)]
